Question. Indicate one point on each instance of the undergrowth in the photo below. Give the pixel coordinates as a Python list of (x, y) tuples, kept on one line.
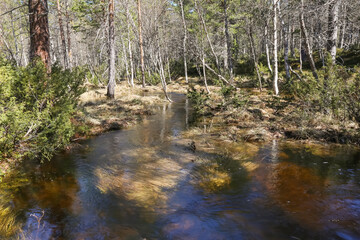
[(36, 109)]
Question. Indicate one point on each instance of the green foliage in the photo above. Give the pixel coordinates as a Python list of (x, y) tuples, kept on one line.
[(94, 74), (233, 98), (336, 92), (199, 99), (263, 69), (244, 66), (153, 78), (88, 14), (36, 109)]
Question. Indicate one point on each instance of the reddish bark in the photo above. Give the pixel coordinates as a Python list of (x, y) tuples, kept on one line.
[(39, 32)]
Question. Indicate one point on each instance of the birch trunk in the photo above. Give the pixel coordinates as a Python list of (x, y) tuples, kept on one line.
[(252, 45), (184, 40), (68, 32), (285, 30), (333, 28), (129, 45), (111, 84), (276, 73), (62, 35), (141, 44), (306, 42), (267, 47), (204, 73), (207, 36), (228, 43)]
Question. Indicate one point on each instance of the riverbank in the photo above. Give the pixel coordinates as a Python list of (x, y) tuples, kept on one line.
[(251, 115), (98, 114), (241, 114), (246, 114)]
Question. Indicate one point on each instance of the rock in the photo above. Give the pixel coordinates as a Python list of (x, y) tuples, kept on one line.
[(115, 126)]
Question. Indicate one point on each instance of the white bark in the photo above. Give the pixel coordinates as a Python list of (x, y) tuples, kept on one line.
[(333, 28), (276, 73), (184, 39)]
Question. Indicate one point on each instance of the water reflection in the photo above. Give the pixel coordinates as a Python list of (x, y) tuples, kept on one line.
[(146, 182)]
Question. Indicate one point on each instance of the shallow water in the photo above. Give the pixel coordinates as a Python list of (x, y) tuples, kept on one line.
[(148, 183)]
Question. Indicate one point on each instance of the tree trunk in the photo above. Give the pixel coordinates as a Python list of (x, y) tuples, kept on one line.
[(300, 51), (252, 45), (306, 41), (18, 61), (162, 72), (208, 36), (267, 47), (276, 73), (62, 34), (228, 43), (68, 32), (141, 44), (344, 27), (184, 39), (292, 41), (111, 84), (204, 72), (333, 28), (39, 32), (285, 30), (129, 43), (125, 59)]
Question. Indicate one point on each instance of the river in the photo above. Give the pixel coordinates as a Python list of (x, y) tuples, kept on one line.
[(153, 181)]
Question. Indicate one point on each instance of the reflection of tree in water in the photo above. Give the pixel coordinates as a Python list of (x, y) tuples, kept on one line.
[(51, 187), (337, 164), (310, 190), (9, 214)]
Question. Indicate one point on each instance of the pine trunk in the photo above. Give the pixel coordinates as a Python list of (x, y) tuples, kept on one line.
[(39, 32)]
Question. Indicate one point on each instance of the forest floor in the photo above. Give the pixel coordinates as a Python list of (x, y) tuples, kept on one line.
[(263, 117), (260, 117)]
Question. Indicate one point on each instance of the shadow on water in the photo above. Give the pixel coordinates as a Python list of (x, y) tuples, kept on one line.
[(150, 182)]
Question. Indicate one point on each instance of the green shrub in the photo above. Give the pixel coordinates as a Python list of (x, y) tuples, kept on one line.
[(233, 98), (35, 109), (199, 100), (336, 92)]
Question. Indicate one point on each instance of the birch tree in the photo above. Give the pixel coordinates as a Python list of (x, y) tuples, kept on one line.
[(111, 84), (276, 71)]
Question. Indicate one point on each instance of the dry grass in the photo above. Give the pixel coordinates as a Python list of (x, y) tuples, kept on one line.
[(103, 114)]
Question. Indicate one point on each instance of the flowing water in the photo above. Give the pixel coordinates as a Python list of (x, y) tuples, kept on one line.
[(148, 182)]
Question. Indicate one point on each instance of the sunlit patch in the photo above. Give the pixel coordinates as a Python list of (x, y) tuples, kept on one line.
[(211, 177), (9, 223), (250, 166)]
